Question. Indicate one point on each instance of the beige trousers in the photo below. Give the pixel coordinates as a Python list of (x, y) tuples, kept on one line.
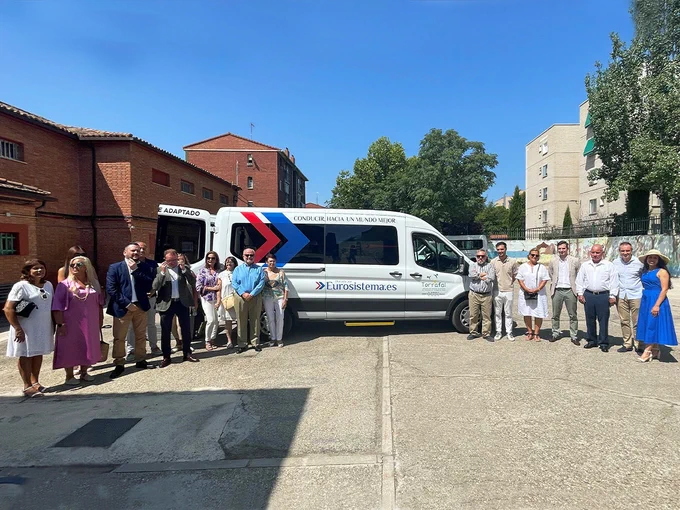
[(138, 318), (248, 311), (628, 312), (480, 306)]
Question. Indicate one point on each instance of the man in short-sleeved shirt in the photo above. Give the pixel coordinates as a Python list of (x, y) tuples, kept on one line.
[(503, 292)]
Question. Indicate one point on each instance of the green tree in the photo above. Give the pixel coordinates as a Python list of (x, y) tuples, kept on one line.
[(567, 222), (635, 106), (376, 181), (450, 177), (493, 219), (517, 212)]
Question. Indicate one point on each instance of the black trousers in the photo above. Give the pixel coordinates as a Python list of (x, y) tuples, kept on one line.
[(597, 311), (182, 313)]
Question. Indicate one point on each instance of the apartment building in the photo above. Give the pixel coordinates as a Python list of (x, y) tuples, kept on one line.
[(267, 175), (552, 179), (592, 205), (505, 200)]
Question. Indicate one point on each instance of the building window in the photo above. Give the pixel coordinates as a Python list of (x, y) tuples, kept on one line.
[(544, 194), (9, 243), (11, 150), (250, 183), (592, 206), (250, 160), (160, 177), (187, 187), (544, 171), (224, 200), (543, 148), (207, 194), (545, 216), (250, 203)]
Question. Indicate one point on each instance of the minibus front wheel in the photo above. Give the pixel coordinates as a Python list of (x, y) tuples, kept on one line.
[(460, 317)]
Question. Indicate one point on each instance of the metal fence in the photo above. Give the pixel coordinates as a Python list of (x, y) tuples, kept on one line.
[(607, 227)]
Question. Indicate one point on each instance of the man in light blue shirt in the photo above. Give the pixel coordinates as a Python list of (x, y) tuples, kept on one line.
[(629, 269), (248, 281)]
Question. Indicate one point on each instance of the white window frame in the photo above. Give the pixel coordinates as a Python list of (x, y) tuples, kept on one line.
[(251, 182), (250, 160), (544, 193), (10, 150), (592, 206), (545, 216)]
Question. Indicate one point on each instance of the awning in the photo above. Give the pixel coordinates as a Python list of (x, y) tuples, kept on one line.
[(587, 120), (590, 146)]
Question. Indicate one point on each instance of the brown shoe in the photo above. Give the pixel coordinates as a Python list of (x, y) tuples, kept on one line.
[(190, 358), (166, 362)]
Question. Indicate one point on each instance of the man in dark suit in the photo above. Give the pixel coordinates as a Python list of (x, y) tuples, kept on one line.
[(174, 286), (127, 283)]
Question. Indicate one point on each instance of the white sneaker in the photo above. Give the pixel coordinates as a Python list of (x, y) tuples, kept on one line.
[(498, 337), (511, 338)]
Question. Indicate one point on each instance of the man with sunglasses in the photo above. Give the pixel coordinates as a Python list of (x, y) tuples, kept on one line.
[(127, 284), (482, 277), (248, 281)]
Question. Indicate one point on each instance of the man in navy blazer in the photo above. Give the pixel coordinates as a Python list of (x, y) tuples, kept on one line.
[(126, 284)]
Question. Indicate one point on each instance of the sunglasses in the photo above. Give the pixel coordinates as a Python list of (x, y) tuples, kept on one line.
[(533, 254), (76, 265), (210, 258), (43, 293), (480, 256), (248, 256)]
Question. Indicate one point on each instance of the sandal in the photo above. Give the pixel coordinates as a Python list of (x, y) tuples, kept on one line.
[(209, 346), (230, 345), (529, 335), (31, 392), (537, 337)]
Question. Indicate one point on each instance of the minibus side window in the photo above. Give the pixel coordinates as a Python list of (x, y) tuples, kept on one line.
[(245, 235), (184, 235), (433, 253), (362, 244)]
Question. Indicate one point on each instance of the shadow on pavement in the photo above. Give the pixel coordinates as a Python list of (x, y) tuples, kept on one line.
[(44, 439)]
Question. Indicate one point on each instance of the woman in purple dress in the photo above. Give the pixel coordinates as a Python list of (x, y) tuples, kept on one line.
[(77, 309)]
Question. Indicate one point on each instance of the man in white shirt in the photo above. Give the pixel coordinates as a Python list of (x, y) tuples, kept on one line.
[(597, 286), (629, 270), (563, 270)]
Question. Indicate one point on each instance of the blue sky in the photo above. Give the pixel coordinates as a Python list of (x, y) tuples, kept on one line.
[(323, 78)]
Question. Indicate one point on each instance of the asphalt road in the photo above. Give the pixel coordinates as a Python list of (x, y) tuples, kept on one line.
[(409, 417)]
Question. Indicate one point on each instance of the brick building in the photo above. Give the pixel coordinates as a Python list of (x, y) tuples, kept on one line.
[(62, 185), (267, 175)]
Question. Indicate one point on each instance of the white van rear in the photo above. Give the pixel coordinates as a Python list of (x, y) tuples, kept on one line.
[(344, 265)]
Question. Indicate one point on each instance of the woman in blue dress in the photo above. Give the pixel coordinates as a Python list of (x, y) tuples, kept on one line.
[(655, 322)]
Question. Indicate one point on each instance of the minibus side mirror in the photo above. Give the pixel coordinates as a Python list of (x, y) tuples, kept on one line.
[(464, 268)]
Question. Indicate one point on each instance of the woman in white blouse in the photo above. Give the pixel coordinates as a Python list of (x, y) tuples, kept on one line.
[(226, 291), (533, 299), (31, 333)]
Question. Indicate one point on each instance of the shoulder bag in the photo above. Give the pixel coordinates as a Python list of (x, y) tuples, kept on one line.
[(24, 308), (531, 296)]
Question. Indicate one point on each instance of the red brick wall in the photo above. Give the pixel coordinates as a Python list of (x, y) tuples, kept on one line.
[(264, 173), (147, 195), (21, 222)]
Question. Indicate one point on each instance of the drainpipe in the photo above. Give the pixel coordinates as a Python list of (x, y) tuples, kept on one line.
[(93, 216)]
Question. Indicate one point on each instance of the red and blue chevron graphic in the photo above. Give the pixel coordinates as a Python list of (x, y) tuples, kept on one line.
[(295, 239)]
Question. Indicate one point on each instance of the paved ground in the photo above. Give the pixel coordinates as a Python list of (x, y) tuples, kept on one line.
[(408, 417)]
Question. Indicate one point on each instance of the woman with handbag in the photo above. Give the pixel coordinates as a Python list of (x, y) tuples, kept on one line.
[(78, 312), (533, 298), (207, 286), (225, 297), (31, 333)]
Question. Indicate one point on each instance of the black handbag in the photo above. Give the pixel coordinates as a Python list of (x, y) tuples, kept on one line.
[(530, 296), (24, 308)]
